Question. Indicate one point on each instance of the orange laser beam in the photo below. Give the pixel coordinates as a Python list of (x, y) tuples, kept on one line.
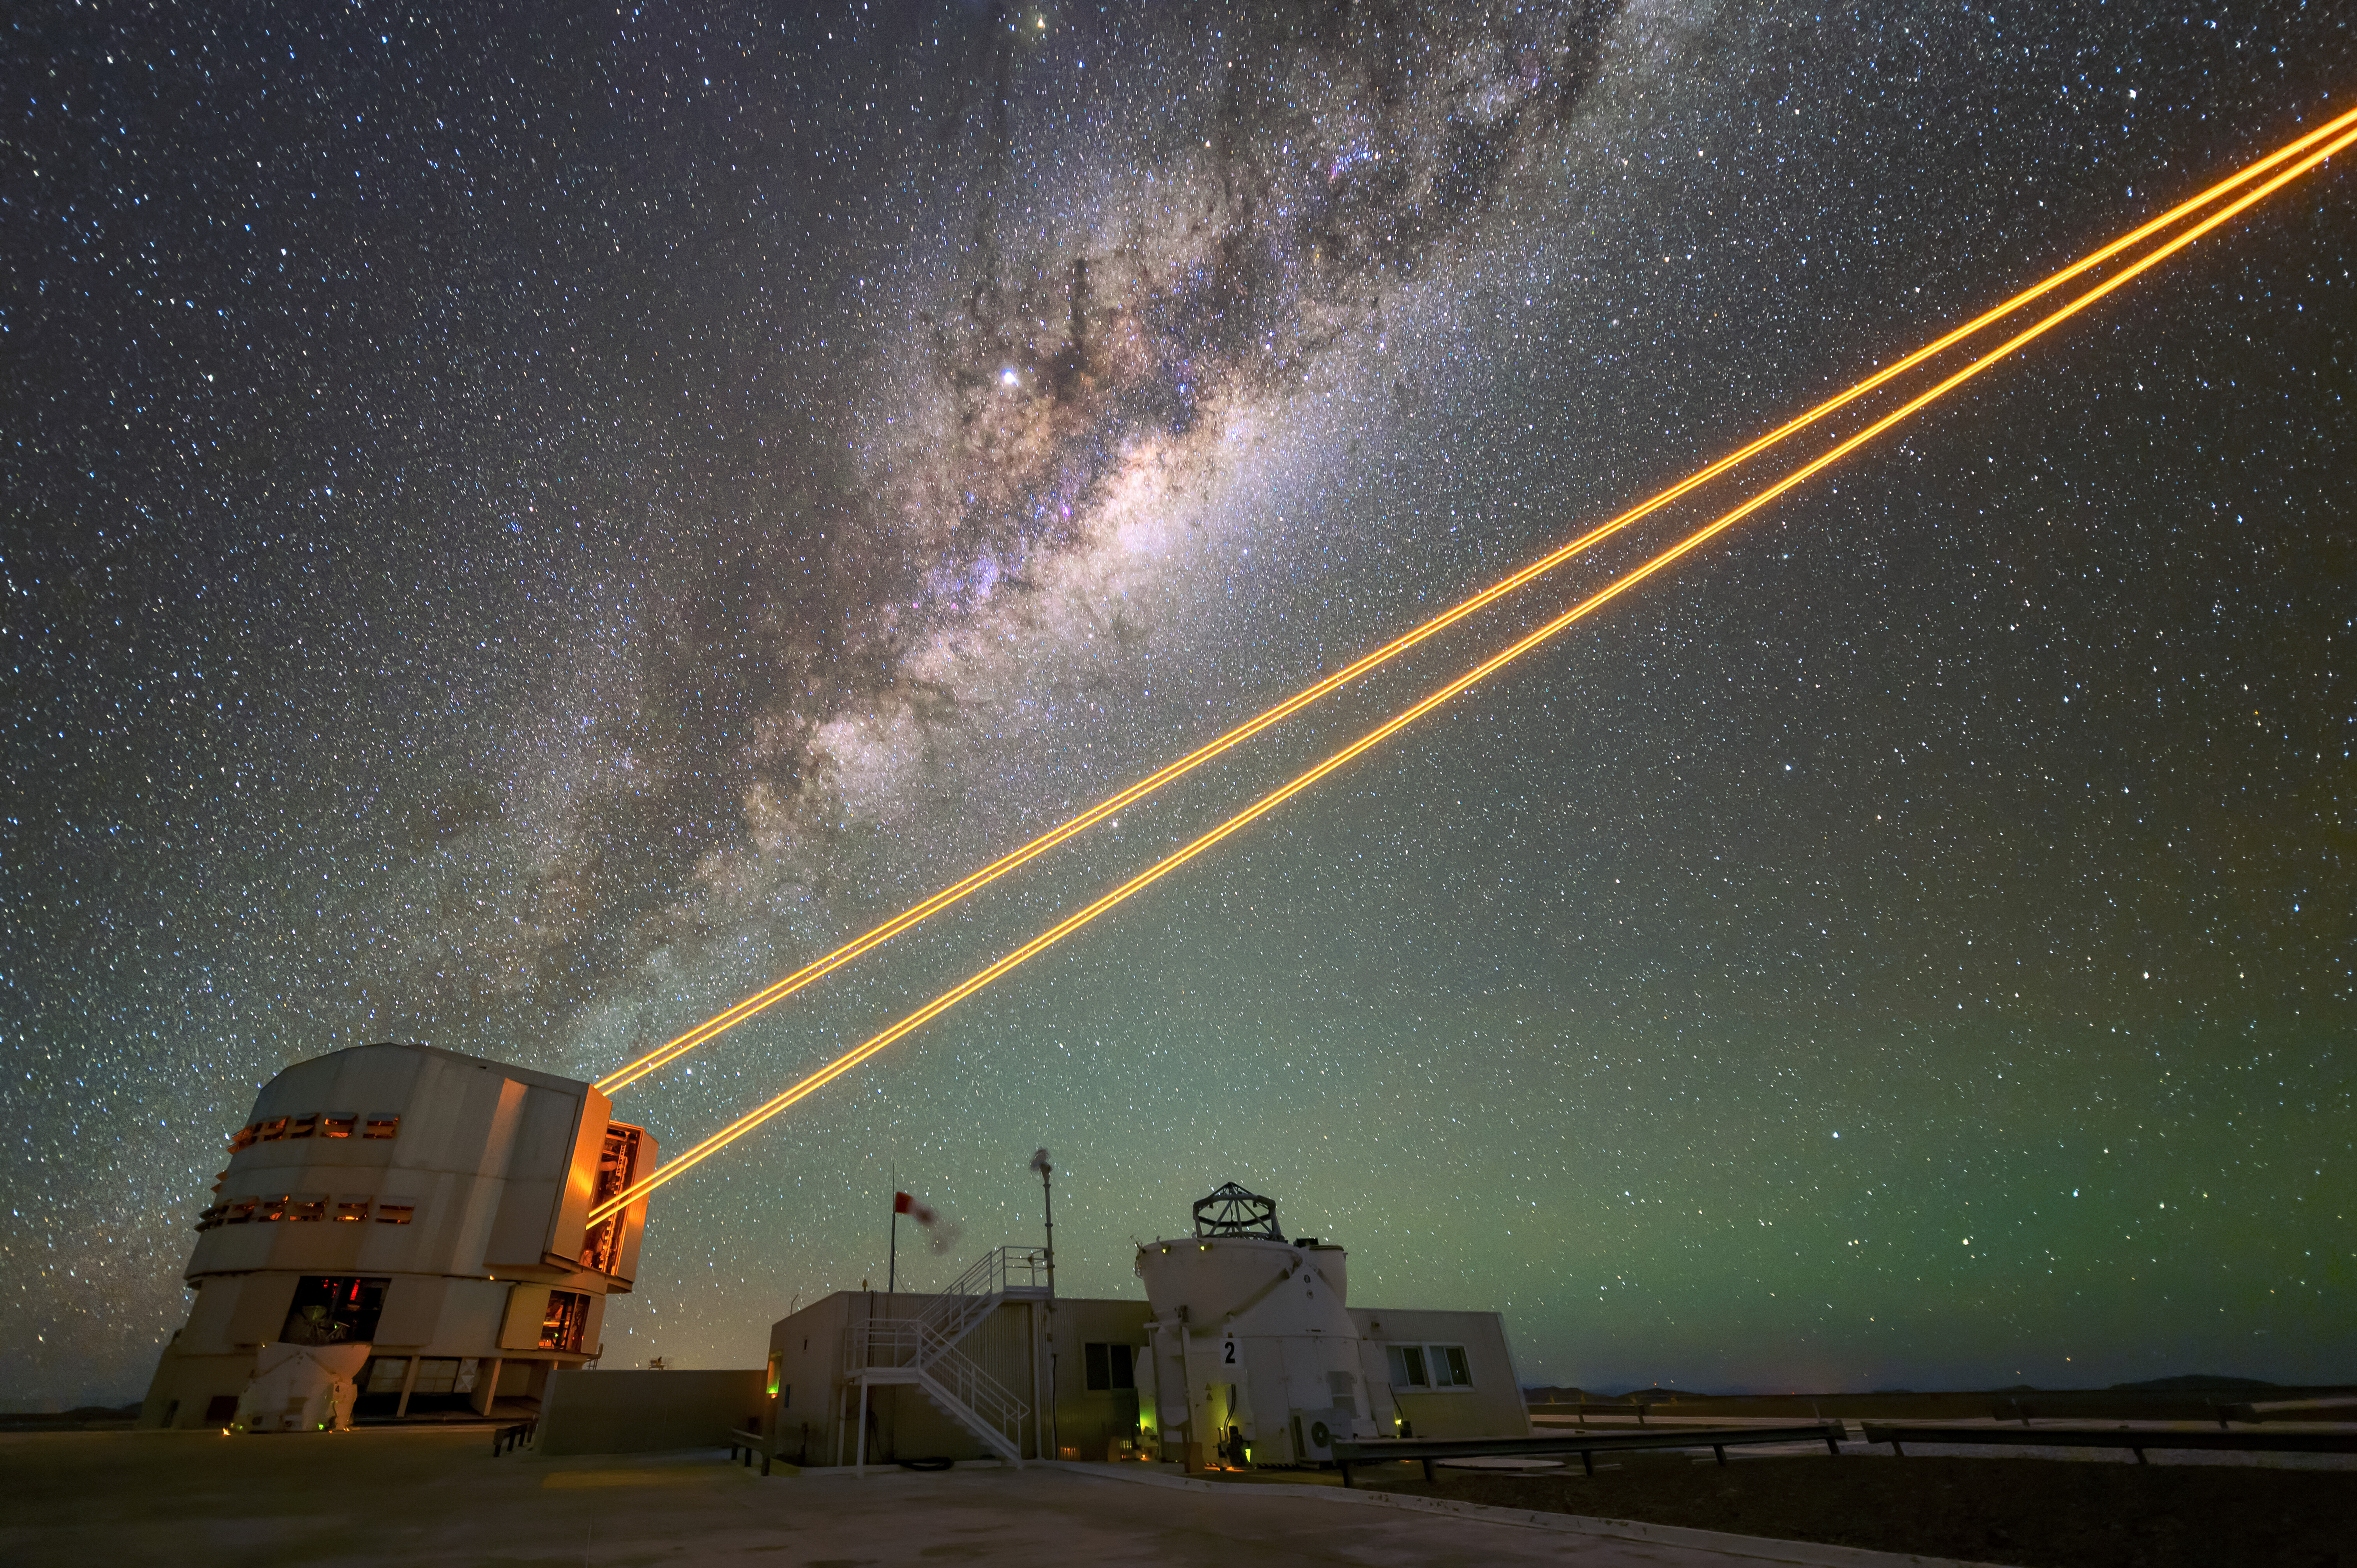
[(818, 968), (1579, 612)]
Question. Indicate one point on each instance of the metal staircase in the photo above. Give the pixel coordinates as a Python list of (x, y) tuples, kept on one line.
[(923, 1350)]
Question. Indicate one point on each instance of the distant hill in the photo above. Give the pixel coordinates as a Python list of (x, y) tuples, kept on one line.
[(80, 1414), (2196, 1382)]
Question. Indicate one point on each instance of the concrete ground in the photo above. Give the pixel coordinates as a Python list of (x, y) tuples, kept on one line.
[(381, 1497)]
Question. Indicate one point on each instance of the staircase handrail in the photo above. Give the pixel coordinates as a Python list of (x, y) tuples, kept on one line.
[(914, 1344), (973, 1294), (977, 1389)]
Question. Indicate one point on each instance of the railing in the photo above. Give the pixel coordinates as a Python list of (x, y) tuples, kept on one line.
[(964, 1380), (914, 1344), (2136, 1439), (1589, 1444), (970, 1297)]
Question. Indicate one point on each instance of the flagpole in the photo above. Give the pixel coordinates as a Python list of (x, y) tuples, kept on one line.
[(1048, 1211)]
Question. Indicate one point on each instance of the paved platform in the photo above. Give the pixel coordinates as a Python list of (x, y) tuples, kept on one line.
[(373, 1497)]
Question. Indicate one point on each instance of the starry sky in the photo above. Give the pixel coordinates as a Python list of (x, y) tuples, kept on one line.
[(524, 524)]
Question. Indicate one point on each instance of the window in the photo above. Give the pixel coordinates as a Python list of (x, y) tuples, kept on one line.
[(773, 1376), (382, 1124), (395, 1211), (307, 1205), (338, 1124), (435, 1375), (1109, 1367), (211, 1217), (385, 1374), (237, 1211), (271, 1208), (243, 1138), (303, 1126), (1429, 1367), (334, 1310), (568, 1317), (272, 1130), (351, 1210)]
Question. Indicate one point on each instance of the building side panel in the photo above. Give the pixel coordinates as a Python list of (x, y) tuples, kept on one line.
[(570, 1223), (544, 1141), (371, 1080), (448, 1121), (536, 1172), (1263, 1403), (810, 1404), (1087, 1420), (527, 1308), (392, 1249), (262, 1303), (625, 1413), (1492, 1407), (208, 1331), (412, 1310), (438, 1231), (1375, 1377), (470, 1316), (477, 1193)]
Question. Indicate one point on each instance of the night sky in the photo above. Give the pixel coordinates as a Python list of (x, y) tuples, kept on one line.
[(523, 527)]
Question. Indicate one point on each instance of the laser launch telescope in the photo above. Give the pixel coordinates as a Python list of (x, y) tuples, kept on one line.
[(418, 1218), (1253, 1355)]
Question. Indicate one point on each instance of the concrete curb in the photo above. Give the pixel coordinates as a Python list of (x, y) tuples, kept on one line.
[(1808, 1553)]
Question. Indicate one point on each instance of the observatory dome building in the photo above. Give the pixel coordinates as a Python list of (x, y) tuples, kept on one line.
[(1246, 1352), (429, 1205)]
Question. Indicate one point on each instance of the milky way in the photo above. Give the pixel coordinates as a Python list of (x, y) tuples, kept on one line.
[(521, 533)]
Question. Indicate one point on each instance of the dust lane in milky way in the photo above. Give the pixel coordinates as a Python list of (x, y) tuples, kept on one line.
[(522, 535)]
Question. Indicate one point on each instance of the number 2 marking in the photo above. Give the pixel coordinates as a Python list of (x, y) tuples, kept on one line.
[(1230, 1359)]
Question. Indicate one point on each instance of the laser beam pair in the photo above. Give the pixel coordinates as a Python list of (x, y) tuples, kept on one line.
[(2289, 162)]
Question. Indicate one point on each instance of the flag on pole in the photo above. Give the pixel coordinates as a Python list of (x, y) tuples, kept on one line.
[(903, 1204)]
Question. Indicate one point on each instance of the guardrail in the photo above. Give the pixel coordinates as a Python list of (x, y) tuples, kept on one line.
[(2136, 1439), (2330, 1409), (749, 1444), (1592, 1407), (1587, 1445), (506, 1437)]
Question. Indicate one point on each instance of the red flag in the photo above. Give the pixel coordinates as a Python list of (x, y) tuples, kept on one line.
[(902, 1203)]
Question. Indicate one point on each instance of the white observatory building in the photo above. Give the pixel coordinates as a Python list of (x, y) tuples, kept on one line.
[(429, 1205), (1254, 1356), (1252, 1350)]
